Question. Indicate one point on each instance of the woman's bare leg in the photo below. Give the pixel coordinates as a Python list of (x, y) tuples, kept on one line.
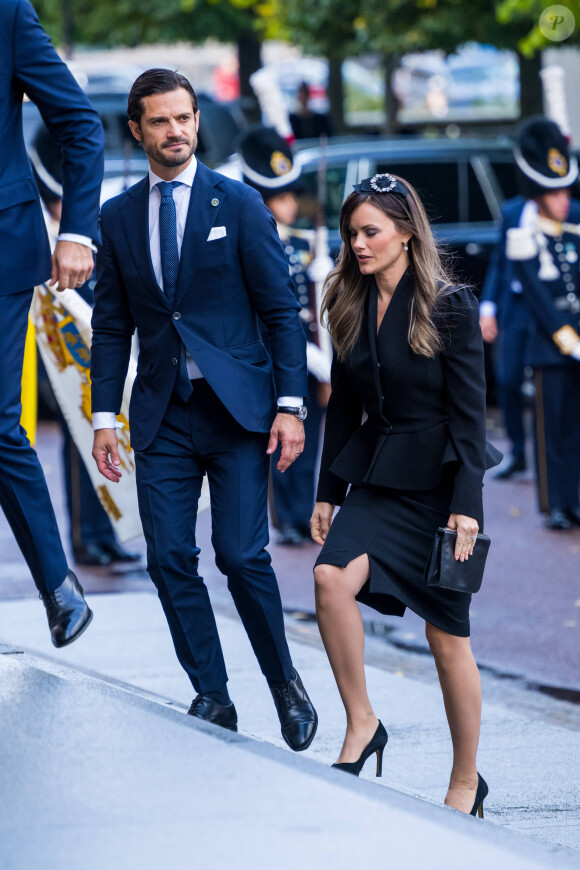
[(461, 687), (341, 628)]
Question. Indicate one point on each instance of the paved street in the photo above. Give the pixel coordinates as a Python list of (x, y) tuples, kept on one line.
[(525, 621), (530, 739)]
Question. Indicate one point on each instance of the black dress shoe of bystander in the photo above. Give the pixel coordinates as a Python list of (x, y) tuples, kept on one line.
[(67, 611), (573, 514), (296, 713), (210, 710), (118, 553), (511, 465), (558, 521)]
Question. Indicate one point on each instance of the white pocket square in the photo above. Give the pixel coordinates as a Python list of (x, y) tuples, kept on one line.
[(216, 233)]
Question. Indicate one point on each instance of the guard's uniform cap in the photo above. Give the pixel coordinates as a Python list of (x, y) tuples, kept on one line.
[(543, 158), (268, 163)]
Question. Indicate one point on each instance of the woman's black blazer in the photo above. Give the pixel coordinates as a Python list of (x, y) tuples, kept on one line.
[(421, 413)]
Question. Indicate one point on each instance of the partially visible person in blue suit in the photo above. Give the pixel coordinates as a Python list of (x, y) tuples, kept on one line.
[(30, 65), (92, 536), (192, 260), (504, 319)]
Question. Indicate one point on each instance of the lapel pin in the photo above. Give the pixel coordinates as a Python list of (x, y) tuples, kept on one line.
[(215, 201)]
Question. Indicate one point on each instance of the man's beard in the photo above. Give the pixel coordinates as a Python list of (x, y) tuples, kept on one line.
[(164, 157)]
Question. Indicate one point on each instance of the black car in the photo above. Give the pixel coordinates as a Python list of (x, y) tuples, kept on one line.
[(218, 130), (461, 182)]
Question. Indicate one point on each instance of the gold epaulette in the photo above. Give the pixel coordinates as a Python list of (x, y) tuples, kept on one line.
[(567, 339)]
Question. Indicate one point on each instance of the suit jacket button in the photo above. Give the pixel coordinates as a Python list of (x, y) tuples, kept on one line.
[(176, 315), (174, 361)]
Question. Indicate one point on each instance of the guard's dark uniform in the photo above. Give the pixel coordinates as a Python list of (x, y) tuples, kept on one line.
[(551, 293), (544, 255)]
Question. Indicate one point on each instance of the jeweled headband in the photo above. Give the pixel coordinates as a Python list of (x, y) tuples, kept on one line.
[(383, 182)]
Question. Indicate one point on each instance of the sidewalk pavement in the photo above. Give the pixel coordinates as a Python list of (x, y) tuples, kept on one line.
[(100, 769)]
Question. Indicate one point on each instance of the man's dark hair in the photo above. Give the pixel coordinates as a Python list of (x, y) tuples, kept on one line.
[(156, 81)]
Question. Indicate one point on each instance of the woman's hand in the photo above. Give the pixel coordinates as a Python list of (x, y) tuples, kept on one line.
[(320, 521), (467, 529)]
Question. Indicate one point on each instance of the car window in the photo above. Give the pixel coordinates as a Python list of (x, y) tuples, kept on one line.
[(308, 197), (506, 174), (478, 206), (437, 184)]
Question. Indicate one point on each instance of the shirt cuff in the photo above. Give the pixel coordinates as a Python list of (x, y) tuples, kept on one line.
[(290, 401), (80, 240), (487, 309), (106, 420)]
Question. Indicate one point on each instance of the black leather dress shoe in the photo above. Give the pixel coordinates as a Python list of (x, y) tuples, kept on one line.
[(558, 521), (296, 714), (67, 611), (204, 707), (510, 466), (573, 514)]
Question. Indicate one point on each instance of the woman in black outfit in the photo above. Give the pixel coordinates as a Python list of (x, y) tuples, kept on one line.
[(409, 358)]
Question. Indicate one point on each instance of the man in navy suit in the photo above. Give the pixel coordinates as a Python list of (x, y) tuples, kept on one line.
[(191, 260), (30, 65)]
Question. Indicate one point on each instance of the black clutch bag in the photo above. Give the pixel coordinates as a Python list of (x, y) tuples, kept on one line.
[(444, 570)]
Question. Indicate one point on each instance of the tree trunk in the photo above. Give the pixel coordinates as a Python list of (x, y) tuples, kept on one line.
[(531, 96), (391, 62), (250, 60), (335, 92), (67, 28)]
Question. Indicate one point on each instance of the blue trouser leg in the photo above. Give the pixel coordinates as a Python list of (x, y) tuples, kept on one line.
[(511, 360), (24, 495), (558, 428), (237, 468), (294, 488), (169, 479), (193, 438)]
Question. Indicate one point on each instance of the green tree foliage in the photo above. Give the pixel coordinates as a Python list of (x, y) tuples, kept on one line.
[(124, 22), (527, 14)]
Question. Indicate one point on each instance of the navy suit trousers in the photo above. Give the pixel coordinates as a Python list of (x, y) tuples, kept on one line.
[(194, 438), (512, 354), (558, 436), (24, 495)]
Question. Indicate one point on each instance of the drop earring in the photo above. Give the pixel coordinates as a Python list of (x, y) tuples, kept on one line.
[(405, 246)]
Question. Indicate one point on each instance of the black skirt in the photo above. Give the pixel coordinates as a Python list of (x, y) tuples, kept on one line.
[(395, 528)]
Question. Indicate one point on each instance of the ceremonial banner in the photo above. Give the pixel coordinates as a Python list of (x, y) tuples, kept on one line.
[(63, 332)]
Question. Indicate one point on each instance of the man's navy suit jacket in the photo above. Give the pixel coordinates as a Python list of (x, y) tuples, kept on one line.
[(223, 286), (29, 64)]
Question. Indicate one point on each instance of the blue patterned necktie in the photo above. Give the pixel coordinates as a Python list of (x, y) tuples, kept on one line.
[(169, 269)]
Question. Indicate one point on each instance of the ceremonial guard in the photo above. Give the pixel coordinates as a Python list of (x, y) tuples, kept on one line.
[(544, 255), (268, 165)]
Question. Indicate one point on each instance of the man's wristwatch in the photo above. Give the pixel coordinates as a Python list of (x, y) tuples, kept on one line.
[(299, 411)]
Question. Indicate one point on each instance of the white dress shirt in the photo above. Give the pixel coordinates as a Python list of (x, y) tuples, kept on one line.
[(181, 197)]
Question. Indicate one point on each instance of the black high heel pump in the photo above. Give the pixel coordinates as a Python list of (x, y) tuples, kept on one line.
[(377, 745), (480, 796)]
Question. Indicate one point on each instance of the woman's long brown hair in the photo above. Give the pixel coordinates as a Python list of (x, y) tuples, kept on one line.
[(346, 289)]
